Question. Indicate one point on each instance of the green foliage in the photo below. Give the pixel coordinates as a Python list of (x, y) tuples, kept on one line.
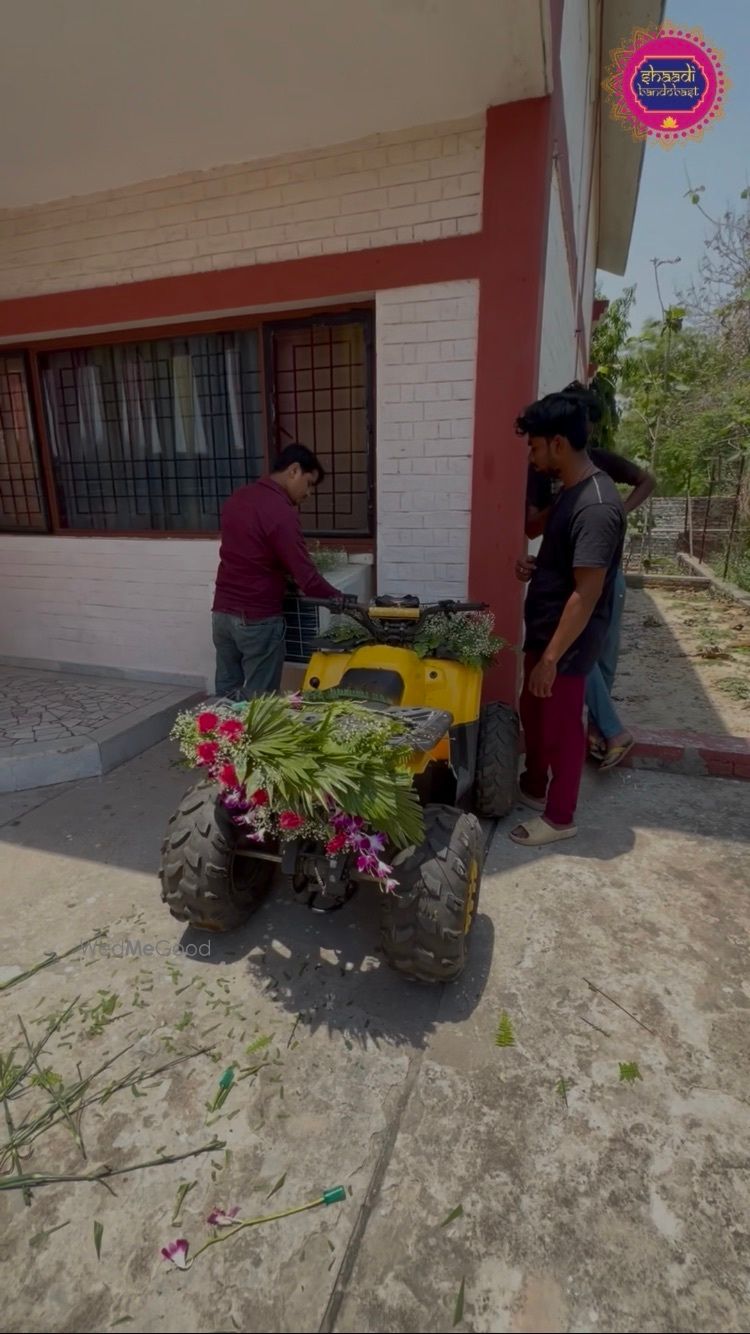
[(326, 751), (504, 1036), (327, 558), (683, 383), (468, 637), (608, 342), (562, 1089), (629, 1072)]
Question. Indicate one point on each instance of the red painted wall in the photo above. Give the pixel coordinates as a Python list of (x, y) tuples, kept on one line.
[(516, 203)]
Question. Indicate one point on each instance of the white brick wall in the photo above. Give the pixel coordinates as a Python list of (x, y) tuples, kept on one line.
[(132, 604), (418, 184), (426, 356), (558, 355), (137, 604)]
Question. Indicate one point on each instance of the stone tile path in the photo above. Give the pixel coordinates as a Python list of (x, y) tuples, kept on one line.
[(53, 706), (58, 726)]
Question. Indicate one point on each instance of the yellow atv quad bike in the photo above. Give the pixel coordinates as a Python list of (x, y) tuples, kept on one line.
[(464, 765)]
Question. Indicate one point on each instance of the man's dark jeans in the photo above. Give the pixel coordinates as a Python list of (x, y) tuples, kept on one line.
[(249, 655)]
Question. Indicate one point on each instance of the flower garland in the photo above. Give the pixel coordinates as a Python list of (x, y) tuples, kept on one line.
[(217, 740), (467, 637)]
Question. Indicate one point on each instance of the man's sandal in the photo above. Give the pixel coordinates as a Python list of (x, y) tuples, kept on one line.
[(615, 754), (533, 803), (539, 833)]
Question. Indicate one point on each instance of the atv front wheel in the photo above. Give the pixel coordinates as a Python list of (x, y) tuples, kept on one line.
[(204, 881), (425, 925), (496, 781)]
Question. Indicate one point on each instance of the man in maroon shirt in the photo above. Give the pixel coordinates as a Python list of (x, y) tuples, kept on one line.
[(262, 547)]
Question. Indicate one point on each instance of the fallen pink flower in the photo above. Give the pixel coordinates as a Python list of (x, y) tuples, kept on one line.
[(223, 1217), (296, 701), (176, 1252)]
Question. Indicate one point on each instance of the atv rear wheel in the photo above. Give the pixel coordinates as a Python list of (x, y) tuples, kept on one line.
[(496, 781), (425, 925), (203, 879)]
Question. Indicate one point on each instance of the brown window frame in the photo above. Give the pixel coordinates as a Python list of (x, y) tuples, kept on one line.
[(360, 311)]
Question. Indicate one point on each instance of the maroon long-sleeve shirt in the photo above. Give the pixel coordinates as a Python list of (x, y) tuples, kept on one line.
[(261, 548)]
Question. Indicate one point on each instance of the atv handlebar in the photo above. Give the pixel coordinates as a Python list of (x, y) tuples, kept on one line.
[(392, 620)]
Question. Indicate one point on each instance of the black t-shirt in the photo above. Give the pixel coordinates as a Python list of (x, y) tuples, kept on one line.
[(541, 488), (585, 529)]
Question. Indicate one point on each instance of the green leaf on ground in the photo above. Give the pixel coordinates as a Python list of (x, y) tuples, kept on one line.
[(277, 1187), (40, 1237), (98, 1234), (504, 1036), (458, 1310), (629, 1072), (562, 1089), (454, 1213), (257, 1045), (183, 1189)]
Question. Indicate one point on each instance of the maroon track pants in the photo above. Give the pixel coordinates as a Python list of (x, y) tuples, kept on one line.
[(555, 743)]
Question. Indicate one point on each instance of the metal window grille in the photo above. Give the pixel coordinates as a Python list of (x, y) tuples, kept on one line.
[(153, 435), (302, 629), (319, 375), (21, 497)]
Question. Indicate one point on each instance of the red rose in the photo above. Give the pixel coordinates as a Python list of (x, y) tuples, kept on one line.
[(207, 752), (228, 775), (290, 820), (335, 844), (207, 721), (232, 729), (259, 798)]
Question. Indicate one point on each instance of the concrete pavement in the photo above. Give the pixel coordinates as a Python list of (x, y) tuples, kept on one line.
[(598, 1203)]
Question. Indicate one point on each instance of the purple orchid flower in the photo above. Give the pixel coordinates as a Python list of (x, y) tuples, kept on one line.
[(223, 1217), (176, 1253)]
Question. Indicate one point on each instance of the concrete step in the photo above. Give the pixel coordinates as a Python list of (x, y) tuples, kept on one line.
[(134, 717)]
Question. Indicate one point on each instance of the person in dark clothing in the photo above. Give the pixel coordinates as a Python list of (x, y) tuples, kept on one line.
[(567, 612), (609, 740), (262, 546)]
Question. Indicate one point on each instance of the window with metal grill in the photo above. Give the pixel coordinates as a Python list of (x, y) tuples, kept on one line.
[(153, 435), (21, 499), (319, 379)]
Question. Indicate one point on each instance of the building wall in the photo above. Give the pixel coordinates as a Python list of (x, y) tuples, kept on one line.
[(415, 185), (426, 359), (140, 605), (572, 232), (558, 350), (578, 61)]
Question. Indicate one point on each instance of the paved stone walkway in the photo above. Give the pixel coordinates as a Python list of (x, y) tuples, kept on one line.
[(53, 706), (58, 726)]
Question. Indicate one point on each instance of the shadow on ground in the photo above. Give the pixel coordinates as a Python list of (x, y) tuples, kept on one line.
[(327, 970)]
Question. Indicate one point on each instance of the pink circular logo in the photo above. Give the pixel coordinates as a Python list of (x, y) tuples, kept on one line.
[(669, 85)]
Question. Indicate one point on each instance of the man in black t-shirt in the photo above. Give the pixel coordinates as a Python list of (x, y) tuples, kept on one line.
[(609, 740), (567, 612)]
